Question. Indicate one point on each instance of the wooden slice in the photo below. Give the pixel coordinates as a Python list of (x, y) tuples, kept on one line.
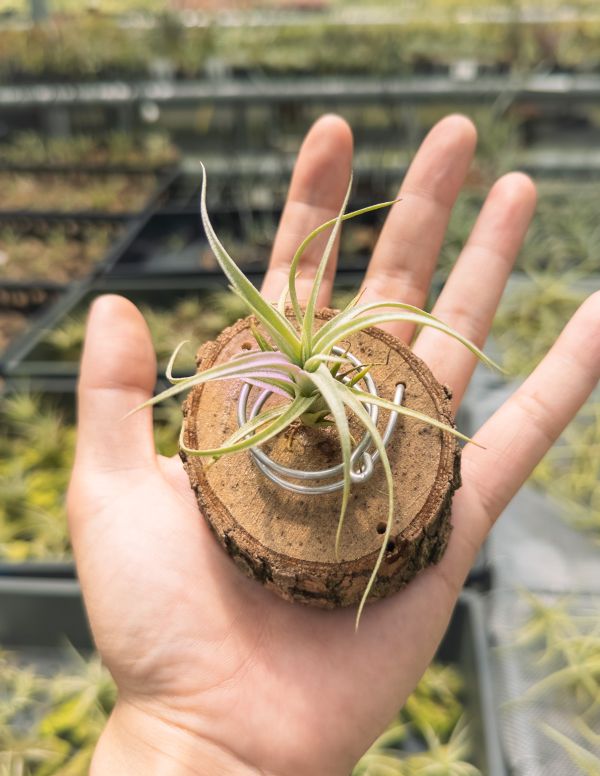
[(287, 540)]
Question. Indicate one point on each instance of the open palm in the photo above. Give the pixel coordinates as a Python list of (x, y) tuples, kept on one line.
[(216, 674)]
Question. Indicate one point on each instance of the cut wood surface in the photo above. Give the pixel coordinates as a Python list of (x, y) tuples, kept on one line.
[(287, 540)]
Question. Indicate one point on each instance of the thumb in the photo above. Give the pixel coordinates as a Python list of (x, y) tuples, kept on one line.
[(118, 373)]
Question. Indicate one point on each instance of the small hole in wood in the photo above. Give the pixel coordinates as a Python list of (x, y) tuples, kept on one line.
[(390, 546), (381, 528)]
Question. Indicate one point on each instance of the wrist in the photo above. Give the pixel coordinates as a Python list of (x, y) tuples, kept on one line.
[(135, 743)]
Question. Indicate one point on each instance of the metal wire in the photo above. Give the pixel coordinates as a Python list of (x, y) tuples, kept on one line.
[(362, 462)]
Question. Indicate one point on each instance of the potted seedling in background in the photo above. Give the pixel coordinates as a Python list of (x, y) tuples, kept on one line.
[(149, 150), (301, 390), (571, 470)]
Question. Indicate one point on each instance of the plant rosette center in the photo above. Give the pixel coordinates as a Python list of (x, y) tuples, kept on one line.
[(288, 540)]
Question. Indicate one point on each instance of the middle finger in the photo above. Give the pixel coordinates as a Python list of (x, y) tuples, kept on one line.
[(406, 253)]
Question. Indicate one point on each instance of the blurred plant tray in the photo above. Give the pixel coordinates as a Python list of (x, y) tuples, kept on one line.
[(48, 612), (33, 356), (75, 249), (54, 398), (89, 169), (19, 308), (151, 202), (174, 243), (544, 647)]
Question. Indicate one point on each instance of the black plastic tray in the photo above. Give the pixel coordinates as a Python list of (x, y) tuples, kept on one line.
[(174, 243), (42, 613), (262, 181), (46, 612)]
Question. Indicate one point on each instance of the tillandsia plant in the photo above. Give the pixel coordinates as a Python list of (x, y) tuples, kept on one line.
[(307, 367)]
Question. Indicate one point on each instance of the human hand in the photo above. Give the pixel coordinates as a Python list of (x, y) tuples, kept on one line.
[(215, 673)]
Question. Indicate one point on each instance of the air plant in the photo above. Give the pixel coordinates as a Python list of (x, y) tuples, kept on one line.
[(436, 703), (428, 736), (297, 362)]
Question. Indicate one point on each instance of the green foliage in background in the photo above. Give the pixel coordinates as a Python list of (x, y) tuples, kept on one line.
[(36, 456), (556, 652), (50, 721), (72, 192), (89, 46), (114, 148), (531, 316), (58, 253), (195, 317), (564, 648), (49, 724), (570, 472), (428, 736)]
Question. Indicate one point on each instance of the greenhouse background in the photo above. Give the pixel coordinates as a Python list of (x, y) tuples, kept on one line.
[(106, 109)]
